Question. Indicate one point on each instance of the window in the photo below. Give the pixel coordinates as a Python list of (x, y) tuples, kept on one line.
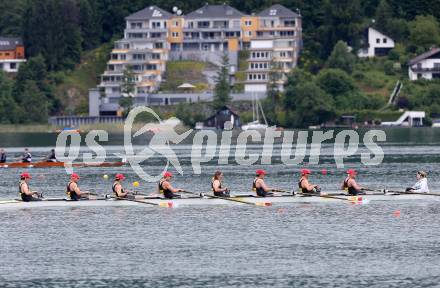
[(155, 56), (248, 33), (13, 66), (175, 34), (156, 25), (377, 40), (289, 23), (176, 23), (384, 40), (248, 23), (158, 45)]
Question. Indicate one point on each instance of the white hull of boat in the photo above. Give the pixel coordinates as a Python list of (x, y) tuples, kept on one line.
[(206, 201)]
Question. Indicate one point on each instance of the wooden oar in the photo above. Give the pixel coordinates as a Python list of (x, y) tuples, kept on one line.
[(138, 201), (415, 193), (327, 196), (281, 191), (233, 200)]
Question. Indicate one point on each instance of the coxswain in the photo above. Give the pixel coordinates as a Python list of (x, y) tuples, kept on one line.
[(73, 191), (27, 157), (216, 185), (421, 185), (2, 156), (304, 184), (166, 189), (52, 157), (25, 192), (259, 187), (118, 190), (349, 185)]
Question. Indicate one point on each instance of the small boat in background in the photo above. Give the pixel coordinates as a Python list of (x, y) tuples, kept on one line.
[(44, 164)]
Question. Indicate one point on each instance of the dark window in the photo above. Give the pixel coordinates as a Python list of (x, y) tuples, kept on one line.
[(384, 40), (377, 40)]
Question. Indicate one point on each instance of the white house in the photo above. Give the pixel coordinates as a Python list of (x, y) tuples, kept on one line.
[(425, 66), (375, 43)]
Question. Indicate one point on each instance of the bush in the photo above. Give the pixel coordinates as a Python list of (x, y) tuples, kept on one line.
[(388, 67)]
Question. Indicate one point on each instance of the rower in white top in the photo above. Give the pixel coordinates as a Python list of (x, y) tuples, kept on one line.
[(421, 185)]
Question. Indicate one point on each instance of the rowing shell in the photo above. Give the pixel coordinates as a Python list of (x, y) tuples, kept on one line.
[(57, 164), (205, 201)]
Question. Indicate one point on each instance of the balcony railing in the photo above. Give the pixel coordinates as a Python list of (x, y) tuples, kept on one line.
[(426, 69)]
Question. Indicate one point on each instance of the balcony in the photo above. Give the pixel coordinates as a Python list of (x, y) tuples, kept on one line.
[(426, 69)]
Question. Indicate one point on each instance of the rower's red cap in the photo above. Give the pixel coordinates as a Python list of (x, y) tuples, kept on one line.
[(119, 176), (25, 175), (74, 176), (305, 171), (351, 172), (260, 172), (168, 174)]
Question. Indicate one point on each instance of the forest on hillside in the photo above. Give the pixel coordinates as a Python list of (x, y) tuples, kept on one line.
[(58, 32)]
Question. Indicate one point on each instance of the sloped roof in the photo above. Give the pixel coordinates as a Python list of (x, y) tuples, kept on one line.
[(151, 12), (424, 56), (215, 12), (8, 43), (277, 10)]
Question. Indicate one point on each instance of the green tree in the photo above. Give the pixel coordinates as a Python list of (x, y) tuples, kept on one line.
[(341, 58), (34, 104), (341, 22), (11, 17), (91, 28), (9, 111), (128, 88), (424, 32), (311, 105), (384, 14), (335, 82), (222, 88), (273, 94)]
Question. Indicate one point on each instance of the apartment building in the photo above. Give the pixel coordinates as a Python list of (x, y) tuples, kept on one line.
[(154, 36), (274, 43), (11, 54)]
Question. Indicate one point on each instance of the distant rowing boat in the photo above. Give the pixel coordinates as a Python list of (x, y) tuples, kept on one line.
[(206, 201), (57, 164)]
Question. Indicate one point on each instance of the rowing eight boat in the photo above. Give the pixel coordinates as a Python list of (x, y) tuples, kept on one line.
[(57, 164), (193, 200)]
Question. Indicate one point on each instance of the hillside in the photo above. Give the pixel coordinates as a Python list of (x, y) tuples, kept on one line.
[(73, 86)]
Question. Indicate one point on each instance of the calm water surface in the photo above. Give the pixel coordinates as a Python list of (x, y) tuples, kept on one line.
[(292, 245)]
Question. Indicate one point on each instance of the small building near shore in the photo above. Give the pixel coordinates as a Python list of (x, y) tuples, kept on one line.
[(11, 54), (223, 115)]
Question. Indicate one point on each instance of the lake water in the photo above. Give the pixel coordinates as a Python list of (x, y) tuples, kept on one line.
[(383, 244)]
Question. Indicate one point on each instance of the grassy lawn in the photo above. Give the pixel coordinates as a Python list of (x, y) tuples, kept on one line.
[(179, 72)]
